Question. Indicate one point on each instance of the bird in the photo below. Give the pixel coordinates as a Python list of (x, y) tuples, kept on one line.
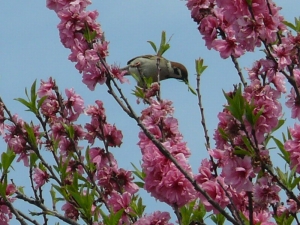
[(147, 66)]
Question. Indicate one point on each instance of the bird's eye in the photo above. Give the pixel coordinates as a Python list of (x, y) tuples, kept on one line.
[(177, 71)]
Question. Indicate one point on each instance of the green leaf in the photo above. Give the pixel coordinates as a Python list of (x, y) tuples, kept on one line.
[(31, 103), (284, 154), (3, 186), (41, 101), (89, 35), (33, 93), (284, 219), (113, 219), (218, 219), (33, 159), (31, 136), (140, 184), (137, 206), (162, 44), (7, 158), (70, 130), (192, 213), (249, 2), (199, 66), (163, 47), (53, 196), (153, 45), (24, 102), (279, 125), (223, 134), (241, 152), (62, 191), (296, 26), (140, 174), (236, 104)]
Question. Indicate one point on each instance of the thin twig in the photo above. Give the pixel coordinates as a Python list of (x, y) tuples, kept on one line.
[(203, 122), (239, 71), (45, 210)]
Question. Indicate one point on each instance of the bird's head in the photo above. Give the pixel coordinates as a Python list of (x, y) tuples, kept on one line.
[(179, 72)]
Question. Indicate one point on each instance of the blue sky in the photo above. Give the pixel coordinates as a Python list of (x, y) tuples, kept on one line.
[(30, 49)]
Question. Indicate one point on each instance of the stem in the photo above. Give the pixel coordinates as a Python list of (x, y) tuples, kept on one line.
[(203, 122), (237, 66), (45, 210)]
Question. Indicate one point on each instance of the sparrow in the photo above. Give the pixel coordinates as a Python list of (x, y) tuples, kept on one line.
[(146, 66)]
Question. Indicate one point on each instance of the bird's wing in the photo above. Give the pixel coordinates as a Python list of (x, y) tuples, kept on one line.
[(143, 56)]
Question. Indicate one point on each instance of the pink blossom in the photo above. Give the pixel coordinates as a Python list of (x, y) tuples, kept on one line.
[(296, 73), (105, 178), (170, 128), (153, 90), (164, 181), (112, 135), (156, 218), (216, 192), (46, 88), (197, 7), (237, 173), (80, 53), (70, 211), (283, 52), (10, 190), (293, 147), (57, 129), (294, 104), (119, 74), (93, 75), (265, 100), (40, 177), (266, 192), (281, 209), (97, 110), (233, 9), (205, 172), (208, 28), (239, 198), (269, 27), (92, 129), (16, 138), (261, 217), (231, 127), (57, 5), (119, 201), (228, 47), (101, 48), (275, 77), (292, 206), (50, 106), (74, 166), (114, 179), (5, 215), (246, 30), (178, 147), (124, 180), (99, 157), (74, 106), (98, 128)]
